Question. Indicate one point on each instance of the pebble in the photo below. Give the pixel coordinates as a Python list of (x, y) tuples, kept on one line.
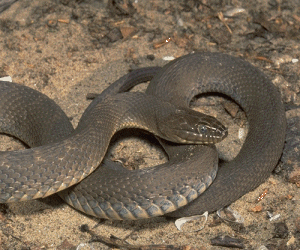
[(127, 31), (52, 23), (294, 176), (281, 230), (114, 35), (151, 57), (231, 108), (297, 224), (262, 248), (220, 35), (281, 59), (66, 245)]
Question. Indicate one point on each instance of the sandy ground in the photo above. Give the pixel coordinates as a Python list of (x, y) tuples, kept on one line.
[(68, 48)]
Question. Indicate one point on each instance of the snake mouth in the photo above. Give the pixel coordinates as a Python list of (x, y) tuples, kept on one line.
[(225, 133), (210, 136)]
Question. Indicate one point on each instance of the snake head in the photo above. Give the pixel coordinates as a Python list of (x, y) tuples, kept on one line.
[(191, 127)]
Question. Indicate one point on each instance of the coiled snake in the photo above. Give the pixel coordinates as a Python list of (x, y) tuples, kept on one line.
[(54, 167)]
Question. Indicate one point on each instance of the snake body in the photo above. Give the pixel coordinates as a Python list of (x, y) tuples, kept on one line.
[(53, 164), (181, 80), (178, 82), (237, 79)]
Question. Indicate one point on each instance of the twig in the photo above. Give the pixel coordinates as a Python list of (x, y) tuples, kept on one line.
[(113, 241), (221, 17)]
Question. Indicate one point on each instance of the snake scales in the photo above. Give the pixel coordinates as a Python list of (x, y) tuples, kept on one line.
[(178, 82)]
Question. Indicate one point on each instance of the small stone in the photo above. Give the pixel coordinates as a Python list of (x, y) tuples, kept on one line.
[(272, 246), (262, 248), (2, 217), (134, 236), (220, 35), (121, 7), (216, 221), (150, 57), (281, 59), (281, 230), (127, 31), (66, 245), (52, 23), (114, 35), (84, 228), (297, 224), (231, 108), (294, 176)]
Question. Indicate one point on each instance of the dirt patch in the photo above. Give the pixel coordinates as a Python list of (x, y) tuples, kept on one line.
[(69, 48)]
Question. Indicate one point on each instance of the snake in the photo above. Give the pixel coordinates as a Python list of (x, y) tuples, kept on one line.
[(60, 157), (177, 83)]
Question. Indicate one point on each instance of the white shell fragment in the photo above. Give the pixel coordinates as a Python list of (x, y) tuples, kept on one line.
[(262, 248), (180, 22), (241, 133), (180, 222), (234, 11), (85, 246), (230, 215), (168, 58), (273, 217), (6, 79)]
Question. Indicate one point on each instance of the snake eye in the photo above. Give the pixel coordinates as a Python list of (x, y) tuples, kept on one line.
[(203, 129)]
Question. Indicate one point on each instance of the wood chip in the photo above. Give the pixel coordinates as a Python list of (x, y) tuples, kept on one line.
[(264, 193), (2, 217), (256, 209), (63, 20), (162, 43), (262, 58), (127, 31), (296, 18)]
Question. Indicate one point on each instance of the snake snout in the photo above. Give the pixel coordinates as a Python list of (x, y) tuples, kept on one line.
[(220, 134), (216, 131)]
